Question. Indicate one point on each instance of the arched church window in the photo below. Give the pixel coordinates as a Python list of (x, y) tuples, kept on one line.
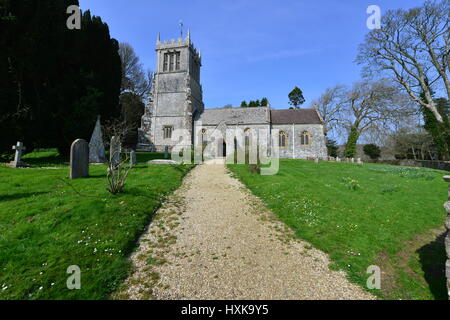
[(167, 130), (178, 57), (283, 139), (171, 61), (305, 138), (247, 133), (166, 62)]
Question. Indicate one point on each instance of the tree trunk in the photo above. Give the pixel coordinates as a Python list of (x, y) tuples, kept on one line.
[(350, 147)]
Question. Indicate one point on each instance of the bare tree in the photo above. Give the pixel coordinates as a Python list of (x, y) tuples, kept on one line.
[(134, 78), (413, 46), (329, 105), (119, 165), (367, 106)]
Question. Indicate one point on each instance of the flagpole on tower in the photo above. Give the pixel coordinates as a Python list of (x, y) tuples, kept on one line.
[(181, 28)]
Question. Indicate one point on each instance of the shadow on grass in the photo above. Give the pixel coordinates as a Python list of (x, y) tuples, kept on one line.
[(433, 257), (47, 162), (17, 196)]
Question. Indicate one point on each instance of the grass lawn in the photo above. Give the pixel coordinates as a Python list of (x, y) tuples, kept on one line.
[(365, 215), (46, 226)]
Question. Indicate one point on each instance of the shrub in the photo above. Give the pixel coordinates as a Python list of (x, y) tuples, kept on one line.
[(372, 151)]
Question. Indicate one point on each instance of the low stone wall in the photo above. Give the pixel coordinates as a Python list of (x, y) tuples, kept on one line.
[(447, 238), (331, 159), (438, 165)]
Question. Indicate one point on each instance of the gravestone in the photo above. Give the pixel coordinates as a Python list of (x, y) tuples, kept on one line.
[(316, 160), (79, 159), (338, 159), (166, 152), (96, 146), (17, 163), (133, 160), (359, 161), (115, 151)]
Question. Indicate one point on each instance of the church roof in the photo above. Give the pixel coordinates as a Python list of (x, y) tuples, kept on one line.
[(256, 115), (297, 116)]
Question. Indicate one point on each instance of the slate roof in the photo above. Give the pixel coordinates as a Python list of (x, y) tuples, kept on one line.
[(297, 116), (232, 116)]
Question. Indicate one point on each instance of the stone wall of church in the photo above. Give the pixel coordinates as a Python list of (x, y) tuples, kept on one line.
[(294, 149), (220, 130)]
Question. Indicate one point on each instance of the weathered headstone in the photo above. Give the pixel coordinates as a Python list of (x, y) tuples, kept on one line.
[(316, 160), (17, 163), (96, 146), (338, 159), (79, 159), (359, 161), (166, 152), (133, 160), (447, 238), (115, 151)]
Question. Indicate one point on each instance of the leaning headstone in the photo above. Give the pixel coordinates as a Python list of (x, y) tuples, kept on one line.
[(79, 159), (133, 160), (17, 163), (96, 146), (166, 152), (114, 151), (447, 238)]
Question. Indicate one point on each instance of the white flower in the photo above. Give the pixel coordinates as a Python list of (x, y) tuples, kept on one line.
[(41, 288)]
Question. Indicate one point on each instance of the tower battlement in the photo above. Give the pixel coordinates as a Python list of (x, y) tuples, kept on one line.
[(178, 43), (176, 96)]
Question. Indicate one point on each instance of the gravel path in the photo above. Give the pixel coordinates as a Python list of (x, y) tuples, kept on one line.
[(213, 239)]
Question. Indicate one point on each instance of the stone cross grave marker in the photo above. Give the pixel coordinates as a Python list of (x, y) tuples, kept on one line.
[(17, 163), (79, 159)]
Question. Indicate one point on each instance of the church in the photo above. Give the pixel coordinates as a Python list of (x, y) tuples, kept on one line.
[(176, 103)]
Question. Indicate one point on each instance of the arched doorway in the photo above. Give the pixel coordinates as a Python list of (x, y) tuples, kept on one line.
[(222, 149)]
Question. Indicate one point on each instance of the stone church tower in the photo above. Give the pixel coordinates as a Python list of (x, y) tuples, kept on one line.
[(176, 97)]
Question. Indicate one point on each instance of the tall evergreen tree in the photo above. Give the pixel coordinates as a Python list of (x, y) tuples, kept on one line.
[(296, 98), (54, 81)]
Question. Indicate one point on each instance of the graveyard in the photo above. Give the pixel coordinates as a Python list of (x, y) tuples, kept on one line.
[(147, 158), (359, 214), (364, 215), (49, 222)]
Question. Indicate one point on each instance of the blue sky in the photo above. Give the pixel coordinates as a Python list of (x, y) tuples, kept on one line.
[(251, 48)]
